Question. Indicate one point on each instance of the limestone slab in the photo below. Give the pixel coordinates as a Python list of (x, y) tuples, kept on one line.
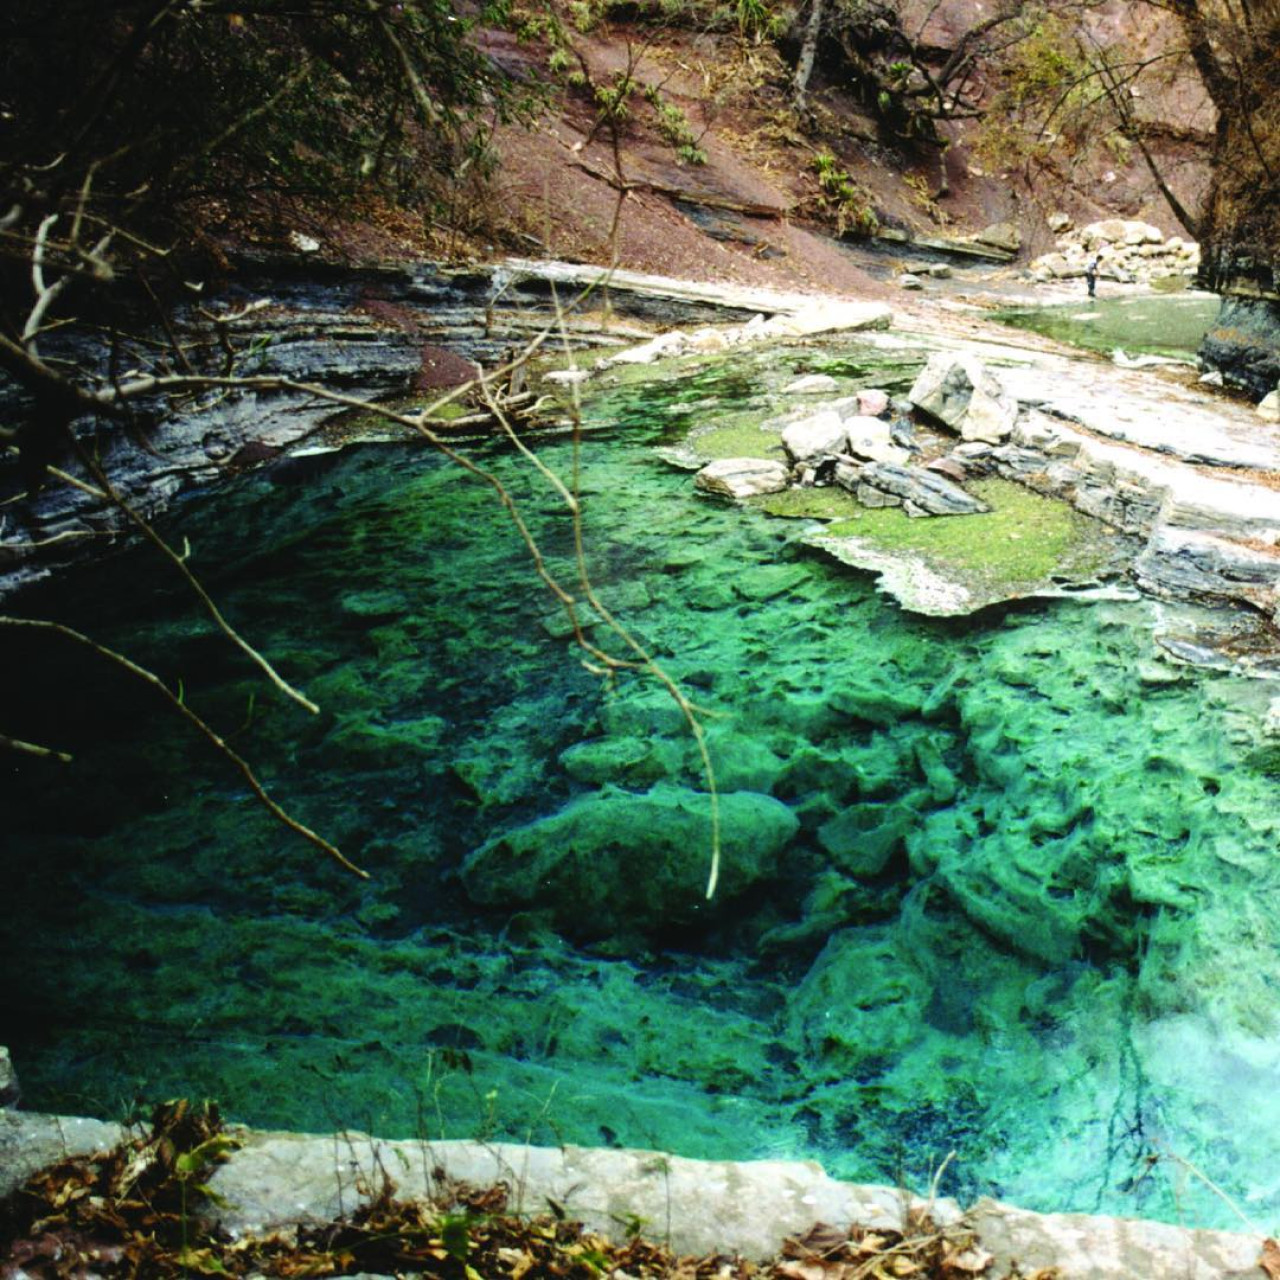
[(29, 1141), (276, 1180)]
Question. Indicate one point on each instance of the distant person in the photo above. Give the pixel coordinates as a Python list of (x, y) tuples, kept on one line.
[(1091, 275)]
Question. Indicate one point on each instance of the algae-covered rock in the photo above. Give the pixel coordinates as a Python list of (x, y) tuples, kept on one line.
[(374, 604), (1043, 901), (368, 744), (616, 862), (769, 581), (827, 770), (621, 599), (876, 703), (942, 782), (505, 762), (863, 838), (643, 712), (627, 760), (742, 762), (862, 1000)]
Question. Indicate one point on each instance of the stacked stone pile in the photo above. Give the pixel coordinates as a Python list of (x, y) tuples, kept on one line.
[(1127, 251), (858, 443)]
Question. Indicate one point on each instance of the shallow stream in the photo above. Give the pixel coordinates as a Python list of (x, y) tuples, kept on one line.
[(1004, 886), (1155, 324)]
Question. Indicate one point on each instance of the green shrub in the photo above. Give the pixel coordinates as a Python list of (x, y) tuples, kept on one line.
[(842, 199), (675, 129)]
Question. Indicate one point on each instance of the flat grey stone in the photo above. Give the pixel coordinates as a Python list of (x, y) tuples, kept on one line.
[(929, 491), (29, 1142)]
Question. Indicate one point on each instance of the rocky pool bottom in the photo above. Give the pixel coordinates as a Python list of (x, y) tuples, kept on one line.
[(1004, 885)]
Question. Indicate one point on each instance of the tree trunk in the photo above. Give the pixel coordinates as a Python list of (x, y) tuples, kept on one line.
[(808, 53), (1216, 81)]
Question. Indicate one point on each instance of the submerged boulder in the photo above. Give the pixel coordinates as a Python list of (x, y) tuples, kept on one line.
[(617, 862), (863, 838), (863, 1002)]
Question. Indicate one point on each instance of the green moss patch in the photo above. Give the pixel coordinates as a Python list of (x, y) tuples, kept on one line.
[(868, 367), (1024, 541), (737, 440), (827, 503)]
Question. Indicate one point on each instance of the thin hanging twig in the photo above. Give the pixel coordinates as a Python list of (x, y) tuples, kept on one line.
[(572, 497), (179, 562), (33, 749), (199, 723)]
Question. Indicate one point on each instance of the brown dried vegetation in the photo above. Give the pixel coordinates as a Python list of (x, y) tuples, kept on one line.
[(145, 1209)]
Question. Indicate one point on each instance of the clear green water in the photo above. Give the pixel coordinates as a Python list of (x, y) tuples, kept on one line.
[(1005, 887), (1158, 324)]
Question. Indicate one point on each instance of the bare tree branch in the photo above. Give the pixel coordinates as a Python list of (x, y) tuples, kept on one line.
[(197, 722), (94, 468)]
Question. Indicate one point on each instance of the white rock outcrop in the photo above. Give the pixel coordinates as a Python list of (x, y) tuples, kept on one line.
[(802, 319), (826, 315), (961, 392), (823, 432), (872, 439)]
